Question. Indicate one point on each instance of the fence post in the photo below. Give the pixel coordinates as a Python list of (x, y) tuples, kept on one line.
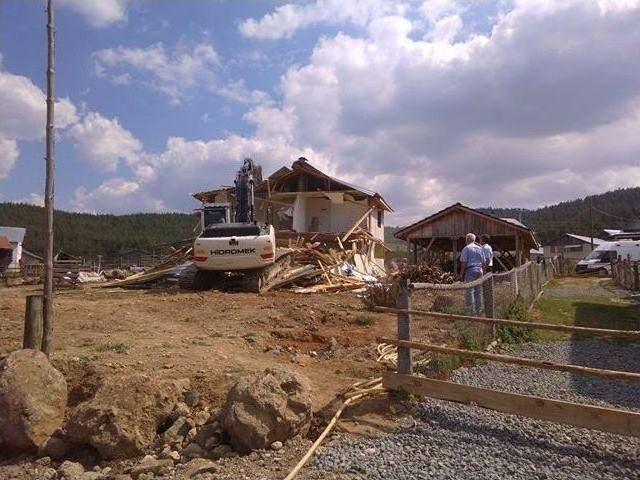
[(489, 303), (33, 323), (636, 277), (405, 365)]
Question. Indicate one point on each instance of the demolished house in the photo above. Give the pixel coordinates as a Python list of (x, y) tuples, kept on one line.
[(305, 205)]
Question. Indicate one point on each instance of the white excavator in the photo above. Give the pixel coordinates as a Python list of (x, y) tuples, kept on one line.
[(240, 251)]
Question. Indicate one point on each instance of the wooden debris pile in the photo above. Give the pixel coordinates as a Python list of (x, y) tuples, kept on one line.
[(336, 268), (157, 273), (384, 293), (426, 273)]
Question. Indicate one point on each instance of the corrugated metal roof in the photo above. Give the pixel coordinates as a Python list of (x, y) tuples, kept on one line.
[(582, 238), (514, 221), (14, 234)]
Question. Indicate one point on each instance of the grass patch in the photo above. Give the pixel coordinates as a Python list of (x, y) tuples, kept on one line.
[(110, 346), (516, 310), (364, 320), (584, 311)]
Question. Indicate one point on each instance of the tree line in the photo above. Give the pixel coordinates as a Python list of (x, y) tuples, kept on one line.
[(85, 234)]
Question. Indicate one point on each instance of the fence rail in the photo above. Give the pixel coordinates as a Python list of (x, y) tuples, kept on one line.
[(532, 277), (625, 273)]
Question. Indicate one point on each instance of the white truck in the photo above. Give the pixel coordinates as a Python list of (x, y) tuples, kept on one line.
[(244, 249), (599, 260)]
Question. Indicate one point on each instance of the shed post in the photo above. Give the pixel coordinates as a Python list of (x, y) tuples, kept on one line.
[(405, 365), (454, 249), (518, 250), (415, 253)]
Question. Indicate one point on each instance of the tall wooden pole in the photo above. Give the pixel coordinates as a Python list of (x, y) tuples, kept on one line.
[(591, 219), (47, 313)]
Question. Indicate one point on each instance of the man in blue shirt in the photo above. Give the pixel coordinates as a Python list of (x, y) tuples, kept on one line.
[(472, 262)]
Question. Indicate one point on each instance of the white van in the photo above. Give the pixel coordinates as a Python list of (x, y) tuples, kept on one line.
[(599, 260)]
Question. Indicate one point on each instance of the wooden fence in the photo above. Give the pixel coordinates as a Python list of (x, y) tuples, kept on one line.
[(599, 418), (625, 273)]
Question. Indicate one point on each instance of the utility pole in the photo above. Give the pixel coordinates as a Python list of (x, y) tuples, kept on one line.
[(591, 219), (47, 313)]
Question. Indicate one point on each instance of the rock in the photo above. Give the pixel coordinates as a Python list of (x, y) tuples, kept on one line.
[(201, 418), (48, 474), (55, 448), (180, 410), (150, 466), (198, 466), (205, 433), (124, 415), (171, 455), (192, 397), (33, 398), (176, 432), (222, 451), (191, 435), (70, 470), (92, 476), (192, 450), (43, 461), (268, 407), (277, 445)]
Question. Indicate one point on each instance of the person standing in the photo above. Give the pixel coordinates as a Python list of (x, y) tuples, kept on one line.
[(472, 261), (488, 252)]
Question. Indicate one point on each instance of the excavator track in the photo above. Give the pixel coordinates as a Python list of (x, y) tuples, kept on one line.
[(253, 281)]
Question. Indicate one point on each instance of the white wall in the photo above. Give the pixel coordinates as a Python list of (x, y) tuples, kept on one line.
[(300, 214), (16, 256), (322, 209), (344, 215)]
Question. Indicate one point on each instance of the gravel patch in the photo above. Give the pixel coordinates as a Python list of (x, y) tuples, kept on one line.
[(454, 441)]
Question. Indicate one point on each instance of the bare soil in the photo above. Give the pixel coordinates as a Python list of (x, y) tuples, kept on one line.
[(213, 338)]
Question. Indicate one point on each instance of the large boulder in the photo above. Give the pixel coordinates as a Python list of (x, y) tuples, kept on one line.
[(268, 407), (33, 398), (121, 420)]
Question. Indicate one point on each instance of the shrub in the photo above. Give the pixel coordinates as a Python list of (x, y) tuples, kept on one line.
[(364, 320), (516, 310)]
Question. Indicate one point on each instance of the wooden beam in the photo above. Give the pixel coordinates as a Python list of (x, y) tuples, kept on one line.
[(584, 416), (357, 224), (448, 317), (526, 362)]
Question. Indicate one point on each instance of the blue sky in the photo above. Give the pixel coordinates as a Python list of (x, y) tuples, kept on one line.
[(508, 103)]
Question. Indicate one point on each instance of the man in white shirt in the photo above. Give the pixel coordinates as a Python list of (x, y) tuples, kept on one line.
[(488, 252)]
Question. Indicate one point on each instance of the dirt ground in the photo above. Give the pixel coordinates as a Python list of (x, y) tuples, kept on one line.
[(210, 337)]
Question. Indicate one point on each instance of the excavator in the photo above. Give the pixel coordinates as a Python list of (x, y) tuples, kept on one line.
[(242, 251)]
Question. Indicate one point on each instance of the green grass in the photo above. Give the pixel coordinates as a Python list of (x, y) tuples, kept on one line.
[(586, 311), (364, 320), (116, 347)]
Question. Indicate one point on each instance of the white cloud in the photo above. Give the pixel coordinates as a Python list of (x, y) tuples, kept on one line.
[(541, 106), (288, 19), (104, 142), (32, 199), (22, 116), (236, 91), (8, 155), (173, 73), (23, 109), (116, 195), (99, 13)]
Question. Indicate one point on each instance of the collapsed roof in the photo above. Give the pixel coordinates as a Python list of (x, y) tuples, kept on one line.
[(301, 177)]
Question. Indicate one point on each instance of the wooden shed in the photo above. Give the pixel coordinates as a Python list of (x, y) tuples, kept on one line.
[(443, 234)]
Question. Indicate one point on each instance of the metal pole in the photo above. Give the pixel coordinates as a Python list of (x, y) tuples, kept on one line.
[(47, 316)]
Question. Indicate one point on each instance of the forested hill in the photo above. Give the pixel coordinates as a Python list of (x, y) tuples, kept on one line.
[(88, 235), (85, 234), (616, 209)]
